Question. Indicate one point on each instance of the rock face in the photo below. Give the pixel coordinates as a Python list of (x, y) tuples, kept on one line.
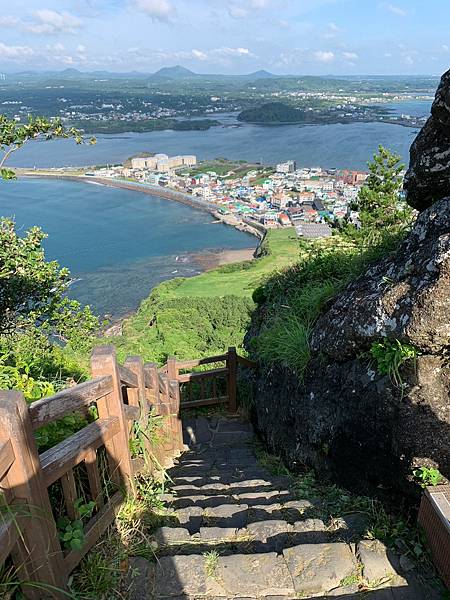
[(347, 418), (404, 297), (428, 177)]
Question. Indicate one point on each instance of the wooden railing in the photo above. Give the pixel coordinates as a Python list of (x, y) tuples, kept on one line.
[(124, 397), (207, 387)]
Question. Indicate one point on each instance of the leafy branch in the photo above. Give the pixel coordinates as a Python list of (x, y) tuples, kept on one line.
[(13, 135)]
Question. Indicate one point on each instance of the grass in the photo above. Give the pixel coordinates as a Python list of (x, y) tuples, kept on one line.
[(294, 298), (211, 562), (280, 249), (206, 314)]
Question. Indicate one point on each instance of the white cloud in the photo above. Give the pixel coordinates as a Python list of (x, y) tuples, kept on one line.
[(198, 54), (81, 48), (350, 55), (259, 3), (333, 27), (9, 21), (14, 52), (237, 12), (445, 48), (396, 10), (50, 21), (324, 56), (232, 52), (159, 10)]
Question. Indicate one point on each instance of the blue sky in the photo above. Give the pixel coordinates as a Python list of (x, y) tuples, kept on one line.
[(315, 37)]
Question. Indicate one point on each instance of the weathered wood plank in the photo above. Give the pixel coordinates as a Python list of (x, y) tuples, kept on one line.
[(25, 482), (67, 401), (232, 379), (6, 457), (132, 413), (205, 402), (70, 494), (94, 530), (93, 474), (246, 362), (67, 454), (104, 362), (127, 377), (189, 364), (198, 376)]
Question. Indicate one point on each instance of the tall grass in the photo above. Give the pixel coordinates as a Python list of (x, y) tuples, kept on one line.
[(294, 298)]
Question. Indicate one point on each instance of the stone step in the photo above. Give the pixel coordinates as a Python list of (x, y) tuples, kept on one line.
[(198, 487), (181, 475), (197, 577), (258, 537), (300, 571)]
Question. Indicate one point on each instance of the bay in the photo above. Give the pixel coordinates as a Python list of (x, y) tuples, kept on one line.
[(118, 244), (342, 146)]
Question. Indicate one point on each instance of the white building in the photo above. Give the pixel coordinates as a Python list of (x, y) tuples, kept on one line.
[(287, 167)]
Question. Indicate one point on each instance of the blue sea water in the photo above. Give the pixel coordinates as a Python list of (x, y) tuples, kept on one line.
[(342, 146), (118, 244)]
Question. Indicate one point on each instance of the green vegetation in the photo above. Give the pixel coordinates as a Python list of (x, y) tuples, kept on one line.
[(293, 299), (124, 126), (228, 169), (14, 135), (71, 533), (390, 356), (205, 314), (100, 573), (34, 311), (273, 112), (426, 476), (379, 202), (211, 562)]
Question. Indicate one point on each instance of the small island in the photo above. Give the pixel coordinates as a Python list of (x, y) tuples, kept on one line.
[(273, 112)]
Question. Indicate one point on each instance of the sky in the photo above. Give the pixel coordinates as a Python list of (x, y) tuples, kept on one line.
[(309, 37)]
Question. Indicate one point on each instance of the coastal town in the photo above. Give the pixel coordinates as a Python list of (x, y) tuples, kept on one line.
[(246, 195)]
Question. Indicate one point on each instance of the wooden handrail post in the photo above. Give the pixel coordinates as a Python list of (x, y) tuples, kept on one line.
[(136, 366), (153, 401), (103, 362), (232, 379), (38, 557), (175, 393), (166, 410), (172, 368)]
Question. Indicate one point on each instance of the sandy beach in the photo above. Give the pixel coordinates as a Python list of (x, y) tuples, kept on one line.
[(211, 260)]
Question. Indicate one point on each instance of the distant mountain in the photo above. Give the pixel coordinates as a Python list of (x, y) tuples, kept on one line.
[(262, 74), (177, 72)]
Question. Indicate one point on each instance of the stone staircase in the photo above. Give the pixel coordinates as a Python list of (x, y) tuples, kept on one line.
[(239, 532)]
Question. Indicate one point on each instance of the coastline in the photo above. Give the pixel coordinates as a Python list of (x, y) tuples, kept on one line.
[(207, 261), (244, 225)]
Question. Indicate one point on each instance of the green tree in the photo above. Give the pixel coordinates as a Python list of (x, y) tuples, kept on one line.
[(33, 300), (14, 135), (379, 201)]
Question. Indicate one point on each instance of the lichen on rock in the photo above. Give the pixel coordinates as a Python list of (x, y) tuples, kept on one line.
[(428, 176)]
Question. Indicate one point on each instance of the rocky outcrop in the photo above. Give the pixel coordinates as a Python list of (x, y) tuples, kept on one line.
[(344, 417), (406, 296), (428, 177)]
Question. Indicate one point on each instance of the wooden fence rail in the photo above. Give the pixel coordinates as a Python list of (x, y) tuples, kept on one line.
[(124, 397)]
